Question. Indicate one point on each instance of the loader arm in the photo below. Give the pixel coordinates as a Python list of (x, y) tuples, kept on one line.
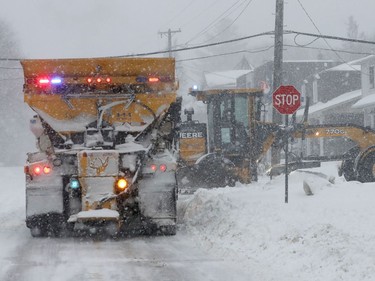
[(363, 137)]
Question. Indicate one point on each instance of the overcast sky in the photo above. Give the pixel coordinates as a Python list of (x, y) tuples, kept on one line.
[(86, 28)]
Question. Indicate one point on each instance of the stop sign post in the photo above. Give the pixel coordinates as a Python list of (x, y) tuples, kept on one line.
[(286, 100)]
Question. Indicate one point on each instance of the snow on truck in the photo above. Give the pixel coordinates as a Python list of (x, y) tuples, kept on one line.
[(106, 137)]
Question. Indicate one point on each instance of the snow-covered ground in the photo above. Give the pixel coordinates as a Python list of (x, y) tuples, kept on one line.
[(245, 232), (326, 236)]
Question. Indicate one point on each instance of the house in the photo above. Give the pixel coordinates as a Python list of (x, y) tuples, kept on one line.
[(367, 101), (332, 93), (223, 79), (294, 72)]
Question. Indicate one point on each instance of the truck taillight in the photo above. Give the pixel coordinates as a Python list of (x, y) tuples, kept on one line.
[(47, 170), (37, 170), (163, 167)]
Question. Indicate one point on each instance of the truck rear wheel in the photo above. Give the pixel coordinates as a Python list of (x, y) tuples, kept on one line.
[(366, 169)]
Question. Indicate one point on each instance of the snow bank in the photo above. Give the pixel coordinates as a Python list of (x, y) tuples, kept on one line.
[(327, 236)]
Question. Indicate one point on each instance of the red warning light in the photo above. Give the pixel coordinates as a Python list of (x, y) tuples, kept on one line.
[(43, 81), (108, 80), (99, 80), (153, 167), (89, 80)]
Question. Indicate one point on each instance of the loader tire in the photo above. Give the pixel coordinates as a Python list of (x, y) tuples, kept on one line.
[(366, 169), (167, 230), (347, 169), (37, 231)]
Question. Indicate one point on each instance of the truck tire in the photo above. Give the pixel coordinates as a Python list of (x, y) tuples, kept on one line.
[(366, 168)]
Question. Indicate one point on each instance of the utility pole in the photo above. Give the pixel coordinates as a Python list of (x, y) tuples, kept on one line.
[(277, 68), (169, 34)]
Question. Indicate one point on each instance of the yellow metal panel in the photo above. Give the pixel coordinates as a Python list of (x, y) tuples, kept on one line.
[(104, 66), (83, 104)]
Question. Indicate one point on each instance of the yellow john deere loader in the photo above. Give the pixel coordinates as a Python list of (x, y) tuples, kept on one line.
[(105, 130), (237, 140)]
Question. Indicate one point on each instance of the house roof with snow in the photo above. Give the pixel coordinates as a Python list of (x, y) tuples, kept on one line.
[(335, 102), (223, 79), (365, 102)]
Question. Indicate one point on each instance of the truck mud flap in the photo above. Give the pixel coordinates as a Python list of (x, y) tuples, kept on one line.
[(157, 199)]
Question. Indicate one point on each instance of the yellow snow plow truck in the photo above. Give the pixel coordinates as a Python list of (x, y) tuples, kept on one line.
[(105, 131)]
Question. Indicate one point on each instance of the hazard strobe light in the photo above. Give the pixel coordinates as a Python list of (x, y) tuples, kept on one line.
[(56, 80), (43, 81)]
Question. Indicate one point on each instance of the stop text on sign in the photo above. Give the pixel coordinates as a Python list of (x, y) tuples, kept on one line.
[(284, 99)]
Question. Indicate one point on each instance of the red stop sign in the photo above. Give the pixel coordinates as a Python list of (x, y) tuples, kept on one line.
[(286, 99)]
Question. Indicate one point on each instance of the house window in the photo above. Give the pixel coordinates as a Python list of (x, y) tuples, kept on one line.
[(371, 77)]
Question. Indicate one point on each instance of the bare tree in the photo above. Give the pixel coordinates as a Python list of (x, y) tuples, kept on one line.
[(16, 138)]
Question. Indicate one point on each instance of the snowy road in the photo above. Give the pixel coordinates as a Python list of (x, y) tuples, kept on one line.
[(23, 258)]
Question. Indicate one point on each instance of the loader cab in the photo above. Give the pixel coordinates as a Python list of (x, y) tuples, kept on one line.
[(192, 139), (231, 126), (231, 115)]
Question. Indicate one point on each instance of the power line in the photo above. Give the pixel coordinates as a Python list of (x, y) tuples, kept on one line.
[(225, 54), (243, 10), (286, 32), (199, 14), (325, 39), (212, 23), (199, 46), (329, 37), (180, 12), (327, 49)]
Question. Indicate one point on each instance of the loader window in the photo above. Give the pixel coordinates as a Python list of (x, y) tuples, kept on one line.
[(241, 110), (225, 135)]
